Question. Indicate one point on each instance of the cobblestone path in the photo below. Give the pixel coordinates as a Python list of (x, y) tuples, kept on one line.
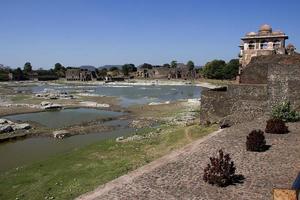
[(179, 174)]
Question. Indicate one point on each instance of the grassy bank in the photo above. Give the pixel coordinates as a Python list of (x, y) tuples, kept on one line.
[(68, 175)]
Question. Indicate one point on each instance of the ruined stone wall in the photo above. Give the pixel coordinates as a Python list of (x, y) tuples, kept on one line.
[(284, 82), (270, 80), (254, 73), (238, 103)]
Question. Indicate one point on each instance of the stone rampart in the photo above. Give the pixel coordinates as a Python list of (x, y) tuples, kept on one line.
[(266, 81)]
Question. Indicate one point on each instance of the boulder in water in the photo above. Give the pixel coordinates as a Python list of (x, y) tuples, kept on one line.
[(5, 128), (61, 134)]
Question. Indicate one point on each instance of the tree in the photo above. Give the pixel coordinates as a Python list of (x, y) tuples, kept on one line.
[(214, 69), (232, 69), (102, 72), (173, 64), (18, 74), (27, 67), (167, 65), (190, 64), (59, 70), (58, 67), (113, 69), (146, 66), (127, 68)]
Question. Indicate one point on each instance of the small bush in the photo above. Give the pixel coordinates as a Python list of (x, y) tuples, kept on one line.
[(256, 141), (220, 171), (276, 126), (284, 112)]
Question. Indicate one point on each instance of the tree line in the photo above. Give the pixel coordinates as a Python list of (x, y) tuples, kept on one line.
[(216, 69)]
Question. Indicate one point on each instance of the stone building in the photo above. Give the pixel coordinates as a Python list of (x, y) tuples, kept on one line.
[(154, 73), (269, 74), (77, 74), (180, 72), (264, 42)]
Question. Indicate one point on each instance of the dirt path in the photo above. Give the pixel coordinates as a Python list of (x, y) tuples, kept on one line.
[(179, 174)]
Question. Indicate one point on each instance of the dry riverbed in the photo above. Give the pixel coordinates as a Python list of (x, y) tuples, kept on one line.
[(156, 130), (139, 116)]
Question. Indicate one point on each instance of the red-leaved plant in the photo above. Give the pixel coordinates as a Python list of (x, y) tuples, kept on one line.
[(220, 171)]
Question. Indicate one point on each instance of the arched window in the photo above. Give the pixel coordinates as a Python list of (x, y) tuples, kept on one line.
[(276, 44), (264, 45), (251, 45)]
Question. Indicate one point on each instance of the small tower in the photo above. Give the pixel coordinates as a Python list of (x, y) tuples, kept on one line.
[(265, 42)]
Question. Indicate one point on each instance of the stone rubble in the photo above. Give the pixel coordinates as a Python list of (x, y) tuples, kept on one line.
[(94, 104), (7, 126), (49, 106), (61, 134), (53, 94)]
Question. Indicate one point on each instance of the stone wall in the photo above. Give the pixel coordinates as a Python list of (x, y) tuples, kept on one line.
[(238, 103), (266, 81), (284, 81)]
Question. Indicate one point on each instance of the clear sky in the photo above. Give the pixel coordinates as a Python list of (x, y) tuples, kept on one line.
[(99, 32)]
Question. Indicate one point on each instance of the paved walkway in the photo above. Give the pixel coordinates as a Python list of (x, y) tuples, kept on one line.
[(179, 174)]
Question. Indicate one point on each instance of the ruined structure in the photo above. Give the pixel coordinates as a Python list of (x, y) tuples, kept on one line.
[(271, 79), (77, 74), (180, 72), (270, 74)]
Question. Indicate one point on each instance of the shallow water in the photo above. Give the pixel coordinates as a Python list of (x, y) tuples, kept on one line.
[(130, 95), (64, 118), (22, 152)]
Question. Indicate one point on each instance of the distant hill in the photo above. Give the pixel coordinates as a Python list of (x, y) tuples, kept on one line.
[(88, 67), (110, 66)]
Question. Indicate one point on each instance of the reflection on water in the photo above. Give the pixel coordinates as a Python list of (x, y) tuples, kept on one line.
[(64, 118)]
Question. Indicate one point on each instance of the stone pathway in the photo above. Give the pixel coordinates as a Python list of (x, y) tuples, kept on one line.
[(179, 174)]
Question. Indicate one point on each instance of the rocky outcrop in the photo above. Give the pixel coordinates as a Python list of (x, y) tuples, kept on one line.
[(50, 106), (7, 126), (53, 94), (93, 104), (61, 134)]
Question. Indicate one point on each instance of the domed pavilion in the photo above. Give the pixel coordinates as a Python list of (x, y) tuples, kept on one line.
[(264, 42)]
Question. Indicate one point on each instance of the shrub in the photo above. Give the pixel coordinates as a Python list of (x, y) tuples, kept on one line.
[(284, 111), (220, 171), (256, 141), (276, 126)]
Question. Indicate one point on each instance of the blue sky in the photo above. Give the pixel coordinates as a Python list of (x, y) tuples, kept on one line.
[(99, 32)]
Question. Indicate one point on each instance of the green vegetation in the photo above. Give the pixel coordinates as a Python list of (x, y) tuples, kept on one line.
[(3, 75), (27, 67), (127, 68), (284, 112), (59, 70), (219, 69), (146, 66), (190, 64), (81, 170), (173, 64)]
